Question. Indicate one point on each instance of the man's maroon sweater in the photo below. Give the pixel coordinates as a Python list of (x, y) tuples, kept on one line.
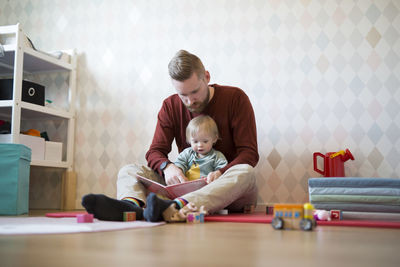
[(232, 111)]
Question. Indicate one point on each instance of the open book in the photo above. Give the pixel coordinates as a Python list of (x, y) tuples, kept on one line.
[(172, 191)]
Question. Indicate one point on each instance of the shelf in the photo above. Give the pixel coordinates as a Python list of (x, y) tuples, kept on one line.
[(35, 111), (50, 164), (41, 112), (34, 62), (6, 103), (21, 61), (9, 47)]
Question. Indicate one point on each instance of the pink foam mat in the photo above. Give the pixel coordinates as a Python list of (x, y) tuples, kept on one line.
[(64, 214), (240, 218), (264, 218)]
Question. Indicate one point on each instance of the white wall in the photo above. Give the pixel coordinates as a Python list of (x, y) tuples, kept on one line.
[(322, 76)]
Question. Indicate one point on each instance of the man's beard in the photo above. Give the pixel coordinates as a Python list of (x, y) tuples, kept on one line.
[(200, 106)]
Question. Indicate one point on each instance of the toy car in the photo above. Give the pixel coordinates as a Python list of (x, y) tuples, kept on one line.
[(293, 216)]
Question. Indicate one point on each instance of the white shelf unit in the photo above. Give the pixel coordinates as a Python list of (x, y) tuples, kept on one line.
[(21, 59)]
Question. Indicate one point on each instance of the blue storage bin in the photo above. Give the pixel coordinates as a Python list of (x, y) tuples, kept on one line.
[(14, 179)]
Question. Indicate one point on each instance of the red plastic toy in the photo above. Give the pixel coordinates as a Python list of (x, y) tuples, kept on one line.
[(333, 163)]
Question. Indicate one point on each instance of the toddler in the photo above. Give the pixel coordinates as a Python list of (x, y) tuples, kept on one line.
[(200, 159)]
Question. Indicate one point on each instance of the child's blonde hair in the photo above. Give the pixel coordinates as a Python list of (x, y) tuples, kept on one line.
[(204, 123)]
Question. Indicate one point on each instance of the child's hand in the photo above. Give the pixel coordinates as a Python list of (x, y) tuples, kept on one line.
[(213, 176)]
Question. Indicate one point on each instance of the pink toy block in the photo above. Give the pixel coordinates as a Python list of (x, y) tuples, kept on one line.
[(195, 217), (129, 216), (336, 215), (84, 218), (190, 218)]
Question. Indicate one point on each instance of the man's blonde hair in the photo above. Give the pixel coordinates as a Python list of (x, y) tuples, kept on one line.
[(183, 65), (202, 123)]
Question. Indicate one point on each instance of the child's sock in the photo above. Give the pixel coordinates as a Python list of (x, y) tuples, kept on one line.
[(158, 209), (181, 202), (135, 201), (109, 209), (155, 207)]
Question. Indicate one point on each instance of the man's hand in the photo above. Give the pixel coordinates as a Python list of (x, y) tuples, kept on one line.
[(174, 175), (213, 176)]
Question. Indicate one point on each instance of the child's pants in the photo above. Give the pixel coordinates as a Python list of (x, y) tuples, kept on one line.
[(233, 190)]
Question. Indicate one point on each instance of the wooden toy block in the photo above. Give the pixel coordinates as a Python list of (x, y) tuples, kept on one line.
[(195, 217), (248, 209), (129, 216), (202, 215), (190, 218), (84, 218), (336, 215), (270, 209)]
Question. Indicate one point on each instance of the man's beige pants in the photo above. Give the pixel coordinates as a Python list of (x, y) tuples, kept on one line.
[(233, 190)]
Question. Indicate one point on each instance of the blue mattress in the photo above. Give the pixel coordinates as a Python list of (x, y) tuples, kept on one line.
[(357, 207), (374, 191), (355, 194), (354, 182)]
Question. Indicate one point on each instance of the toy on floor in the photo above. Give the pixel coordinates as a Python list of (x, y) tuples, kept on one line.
[(84, 218), (129, 216), (196, 217), (322, 215), (336, 215), (269, 209), (293, 216), (333, 163), (248, 209)]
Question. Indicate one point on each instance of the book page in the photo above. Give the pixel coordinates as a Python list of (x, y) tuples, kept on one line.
[(178, 190), (172, 191)]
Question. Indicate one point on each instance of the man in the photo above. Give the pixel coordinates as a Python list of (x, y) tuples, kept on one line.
[(232, 187)]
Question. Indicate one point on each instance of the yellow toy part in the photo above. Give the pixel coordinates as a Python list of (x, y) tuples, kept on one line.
[(194, 172), (308, 211), (341, 152)]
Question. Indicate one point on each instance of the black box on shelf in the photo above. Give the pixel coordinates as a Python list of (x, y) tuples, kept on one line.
[(31, 92)]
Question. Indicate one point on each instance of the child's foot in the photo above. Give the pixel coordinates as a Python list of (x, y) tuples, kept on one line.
[(109, 209), (155, 207), (158, 209), (172, 214)]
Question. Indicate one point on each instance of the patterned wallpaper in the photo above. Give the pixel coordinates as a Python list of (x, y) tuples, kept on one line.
[(322, 75)]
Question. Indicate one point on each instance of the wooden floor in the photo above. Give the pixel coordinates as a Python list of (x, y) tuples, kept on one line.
[(208, 244)]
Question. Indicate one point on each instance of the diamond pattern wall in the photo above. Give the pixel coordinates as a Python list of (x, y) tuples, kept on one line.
[(322, 76)]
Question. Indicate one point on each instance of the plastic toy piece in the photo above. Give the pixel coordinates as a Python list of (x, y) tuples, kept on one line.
[(32, 132), (129, 216), (341, 152), (336, 215), (195, 217), (333, 163), (322, 215), (248, 209), (84, 218), (293, 216)]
